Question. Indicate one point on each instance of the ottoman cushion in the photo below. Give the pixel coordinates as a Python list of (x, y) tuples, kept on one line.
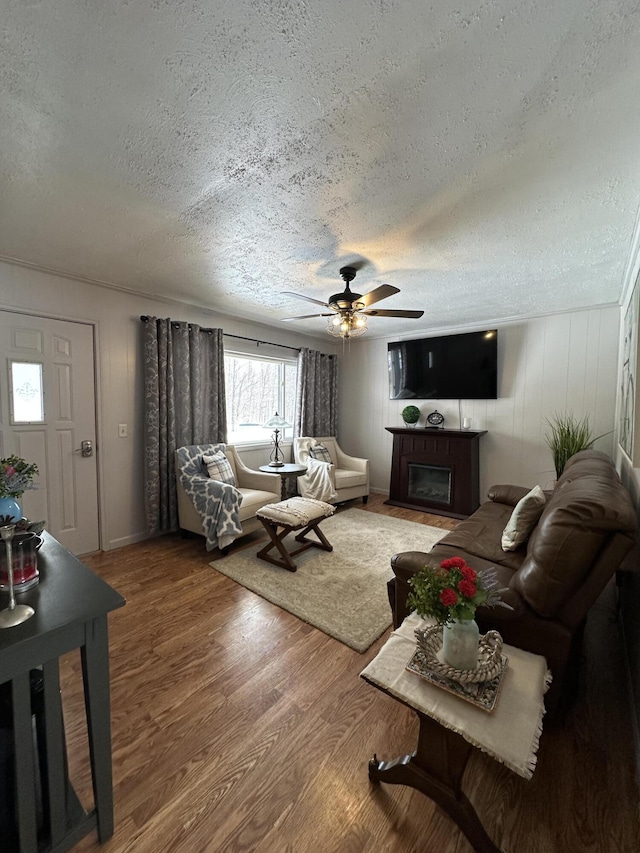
[(295, 512)]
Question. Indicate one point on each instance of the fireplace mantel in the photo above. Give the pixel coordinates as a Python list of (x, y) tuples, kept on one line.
[(435, 470)]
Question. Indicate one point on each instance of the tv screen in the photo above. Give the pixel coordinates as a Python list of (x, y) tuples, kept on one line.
[(452, 367)]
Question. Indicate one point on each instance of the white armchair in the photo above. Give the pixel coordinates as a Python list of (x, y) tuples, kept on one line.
[(256, 488), (349, 475)]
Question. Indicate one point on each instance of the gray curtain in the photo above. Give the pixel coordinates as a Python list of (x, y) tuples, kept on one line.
[(184, 404), (316, 394)]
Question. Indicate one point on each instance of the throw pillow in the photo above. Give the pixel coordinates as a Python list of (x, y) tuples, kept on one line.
[(523, 519), (319, 451), (219, 468)]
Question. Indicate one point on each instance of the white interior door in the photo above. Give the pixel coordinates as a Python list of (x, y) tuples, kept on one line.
[(52, 434)]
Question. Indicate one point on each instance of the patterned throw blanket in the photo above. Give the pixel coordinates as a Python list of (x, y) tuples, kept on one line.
[(217, 503)]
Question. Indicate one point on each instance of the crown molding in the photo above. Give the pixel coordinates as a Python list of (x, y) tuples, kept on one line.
[(629, 278)]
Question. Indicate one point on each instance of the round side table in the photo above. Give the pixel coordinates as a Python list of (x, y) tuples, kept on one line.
[(286, 470)]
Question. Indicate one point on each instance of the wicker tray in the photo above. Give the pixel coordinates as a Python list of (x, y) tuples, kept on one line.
[(490, 658), (481, 694)]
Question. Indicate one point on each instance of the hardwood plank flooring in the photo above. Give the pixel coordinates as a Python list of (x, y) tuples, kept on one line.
[(237, 727)]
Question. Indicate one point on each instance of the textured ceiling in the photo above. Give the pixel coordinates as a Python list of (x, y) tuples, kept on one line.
[(484, 157)]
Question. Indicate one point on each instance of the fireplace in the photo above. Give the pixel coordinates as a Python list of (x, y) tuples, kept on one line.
[(429, 482), (435, 470)]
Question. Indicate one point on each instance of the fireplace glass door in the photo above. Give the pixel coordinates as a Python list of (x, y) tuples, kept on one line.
[(430, 482)]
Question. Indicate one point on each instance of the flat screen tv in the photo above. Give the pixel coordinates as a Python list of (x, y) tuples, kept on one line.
[(451, 367)]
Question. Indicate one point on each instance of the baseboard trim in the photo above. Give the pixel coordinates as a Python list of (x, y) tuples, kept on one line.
[(125, 540)]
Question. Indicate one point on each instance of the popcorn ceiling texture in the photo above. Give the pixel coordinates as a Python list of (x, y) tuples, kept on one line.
[(482, 156)]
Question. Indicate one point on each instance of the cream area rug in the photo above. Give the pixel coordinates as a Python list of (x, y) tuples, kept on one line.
[(342, 592)]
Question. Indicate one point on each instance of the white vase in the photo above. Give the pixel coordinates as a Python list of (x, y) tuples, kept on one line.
[(460, 643)]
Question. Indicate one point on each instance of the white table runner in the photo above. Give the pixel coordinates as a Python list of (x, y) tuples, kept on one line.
[(510, 733)]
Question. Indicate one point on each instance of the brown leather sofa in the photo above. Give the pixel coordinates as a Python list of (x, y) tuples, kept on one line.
[(586, 528)]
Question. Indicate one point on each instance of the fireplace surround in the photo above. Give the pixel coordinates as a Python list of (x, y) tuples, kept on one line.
[(435, 470)]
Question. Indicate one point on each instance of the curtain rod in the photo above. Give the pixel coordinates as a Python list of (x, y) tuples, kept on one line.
[(176, 324), (255, 341), (145, 319)]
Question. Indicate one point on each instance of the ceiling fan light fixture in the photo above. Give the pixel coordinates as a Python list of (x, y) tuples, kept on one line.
[(349, 310), (347, 325)]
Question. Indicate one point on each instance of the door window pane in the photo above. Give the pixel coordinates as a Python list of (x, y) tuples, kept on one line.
[(27, 397)]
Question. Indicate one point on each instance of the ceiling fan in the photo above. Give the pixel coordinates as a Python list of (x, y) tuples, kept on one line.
[(348, 311)]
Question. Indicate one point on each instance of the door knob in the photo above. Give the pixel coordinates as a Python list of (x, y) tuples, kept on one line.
[(86, 448)]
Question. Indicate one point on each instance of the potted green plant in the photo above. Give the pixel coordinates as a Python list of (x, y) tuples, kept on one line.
[(568, 436), (411, 415)]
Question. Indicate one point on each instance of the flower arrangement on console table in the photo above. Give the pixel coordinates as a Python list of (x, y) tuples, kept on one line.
[(450, 594), (16, 476)]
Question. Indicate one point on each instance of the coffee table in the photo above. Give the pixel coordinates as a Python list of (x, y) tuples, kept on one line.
[(450, 728), (289, 469)]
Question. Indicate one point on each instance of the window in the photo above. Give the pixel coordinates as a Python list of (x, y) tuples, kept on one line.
[(257, 388), (27, 397)]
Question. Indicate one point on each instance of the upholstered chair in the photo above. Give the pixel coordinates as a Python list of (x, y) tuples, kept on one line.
[(255, 487), (347, 476)]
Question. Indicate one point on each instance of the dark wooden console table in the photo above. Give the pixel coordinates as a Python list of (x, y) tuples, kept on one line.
[(71, 604), (436, 470)]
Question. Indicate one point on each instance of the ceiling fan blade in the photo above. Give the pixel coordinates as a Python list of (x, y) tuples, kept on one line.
[(380, 312), (307, 316), (379, 293), (301, 296)]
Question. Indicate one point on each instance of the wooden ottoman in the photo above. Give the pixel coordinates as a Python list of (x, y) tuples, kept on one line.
[(293, 514)]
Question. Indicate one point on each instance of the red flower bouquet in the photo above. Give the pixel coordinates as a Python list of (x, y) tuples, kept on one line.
[(453, 590)]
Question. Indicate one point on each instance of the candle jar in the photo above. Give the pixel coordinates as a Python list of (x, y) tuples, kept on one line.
[(24, 548)]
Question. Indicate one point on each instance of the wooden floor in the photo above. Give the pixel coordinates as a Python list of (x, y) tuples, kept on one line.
[(236, 727)]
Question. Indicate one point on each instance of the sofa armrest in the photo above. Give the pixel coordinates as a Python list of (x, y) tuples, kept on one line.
[(405, 565), (509, 495), (408, 563)]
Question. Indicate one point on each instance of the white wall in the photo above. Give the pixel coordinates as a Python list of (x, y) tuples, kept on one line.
[(119, 367), (563, 362), (566, 361)]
